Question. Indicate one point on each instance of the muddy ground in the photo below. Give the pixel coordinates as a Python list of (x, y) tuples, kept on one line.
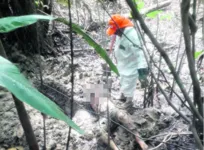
[(158, 120)]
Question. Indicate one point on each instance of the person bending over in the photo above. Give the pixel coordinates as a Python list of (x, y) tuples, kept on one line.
[(131, 62)]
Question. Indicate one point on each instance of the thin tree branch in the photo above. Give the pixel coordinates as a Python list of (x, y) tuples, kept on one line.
[(183, 102), (72, 71), (165, 140), (197, 139), (185, 5), (178, 70), (169, 102), (153, 8)]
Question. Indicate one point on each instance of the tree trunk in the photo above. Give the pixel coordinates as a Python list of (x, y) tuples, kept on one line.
[(27, 37)]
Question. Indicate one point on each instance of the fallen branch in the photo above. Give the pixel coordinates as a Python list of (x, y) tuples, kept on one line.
[(153, 8), (122, 117), (156, 7), (165, 140), (173, 134), (81, 49), (104, 138)]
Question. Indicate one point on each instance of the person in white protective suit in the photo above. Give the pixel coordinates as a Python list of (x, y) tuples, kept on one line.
[(131, 62)]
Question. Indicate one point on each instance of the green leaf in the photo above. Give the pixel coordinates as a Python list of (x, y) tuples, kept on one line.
[(153, 14), (198, 54), (16, 83), (92, 43), (8, 24), (36, 3), (140, 4), (165, 16)]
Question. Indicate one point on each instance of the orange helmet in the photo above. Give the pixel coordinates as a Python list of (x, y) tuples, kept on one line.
[(117, 21)]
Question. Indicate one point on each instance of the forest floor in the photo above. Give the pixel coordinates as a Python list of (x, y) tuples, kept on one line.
[(157, 124)]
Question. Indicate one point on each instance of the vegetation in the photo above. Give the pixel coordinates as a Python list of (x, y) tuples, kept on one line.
[(26, 18)]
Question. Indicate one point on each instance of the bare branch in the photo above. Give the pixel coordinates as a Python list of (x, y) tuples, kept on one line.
[(185, 5), (165, 140), (153, 8)]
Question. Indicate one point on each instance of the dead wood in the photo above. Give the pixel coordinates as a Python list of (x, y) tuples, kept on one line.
[(104, 138), (153, 8), (120, 116), (156, 7), (81, 50)]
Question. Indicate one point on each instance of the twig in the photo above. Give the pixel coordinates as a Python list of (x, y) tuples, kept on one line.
[(165, 140), (181, 114), (173, 134), (77, 11), (196, 137), (178, 70), (151, 85), (153, 8), (160, 58), (156, 7), (203, 26), (72, 71), (81, 49), (44, 130), (41, 84), (183, 102)]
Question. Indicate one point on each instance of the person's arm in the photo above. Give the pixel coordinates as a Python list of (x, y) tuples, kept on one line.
[(139, 55), (112, 42)]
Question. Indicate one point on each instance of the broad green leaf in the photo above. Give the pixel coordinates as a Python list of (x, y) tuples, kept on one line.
[(153, 14), (92, 43), (16, 83), (8, 24), (198, 54), (165, 16)]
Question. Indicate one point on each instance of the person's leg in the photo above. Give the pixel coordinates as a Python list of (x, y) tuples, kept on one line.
[(127, 89)]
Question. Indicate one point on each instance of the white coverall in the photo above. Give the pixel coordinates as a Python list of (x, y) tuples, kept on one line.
[(129, 59)]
